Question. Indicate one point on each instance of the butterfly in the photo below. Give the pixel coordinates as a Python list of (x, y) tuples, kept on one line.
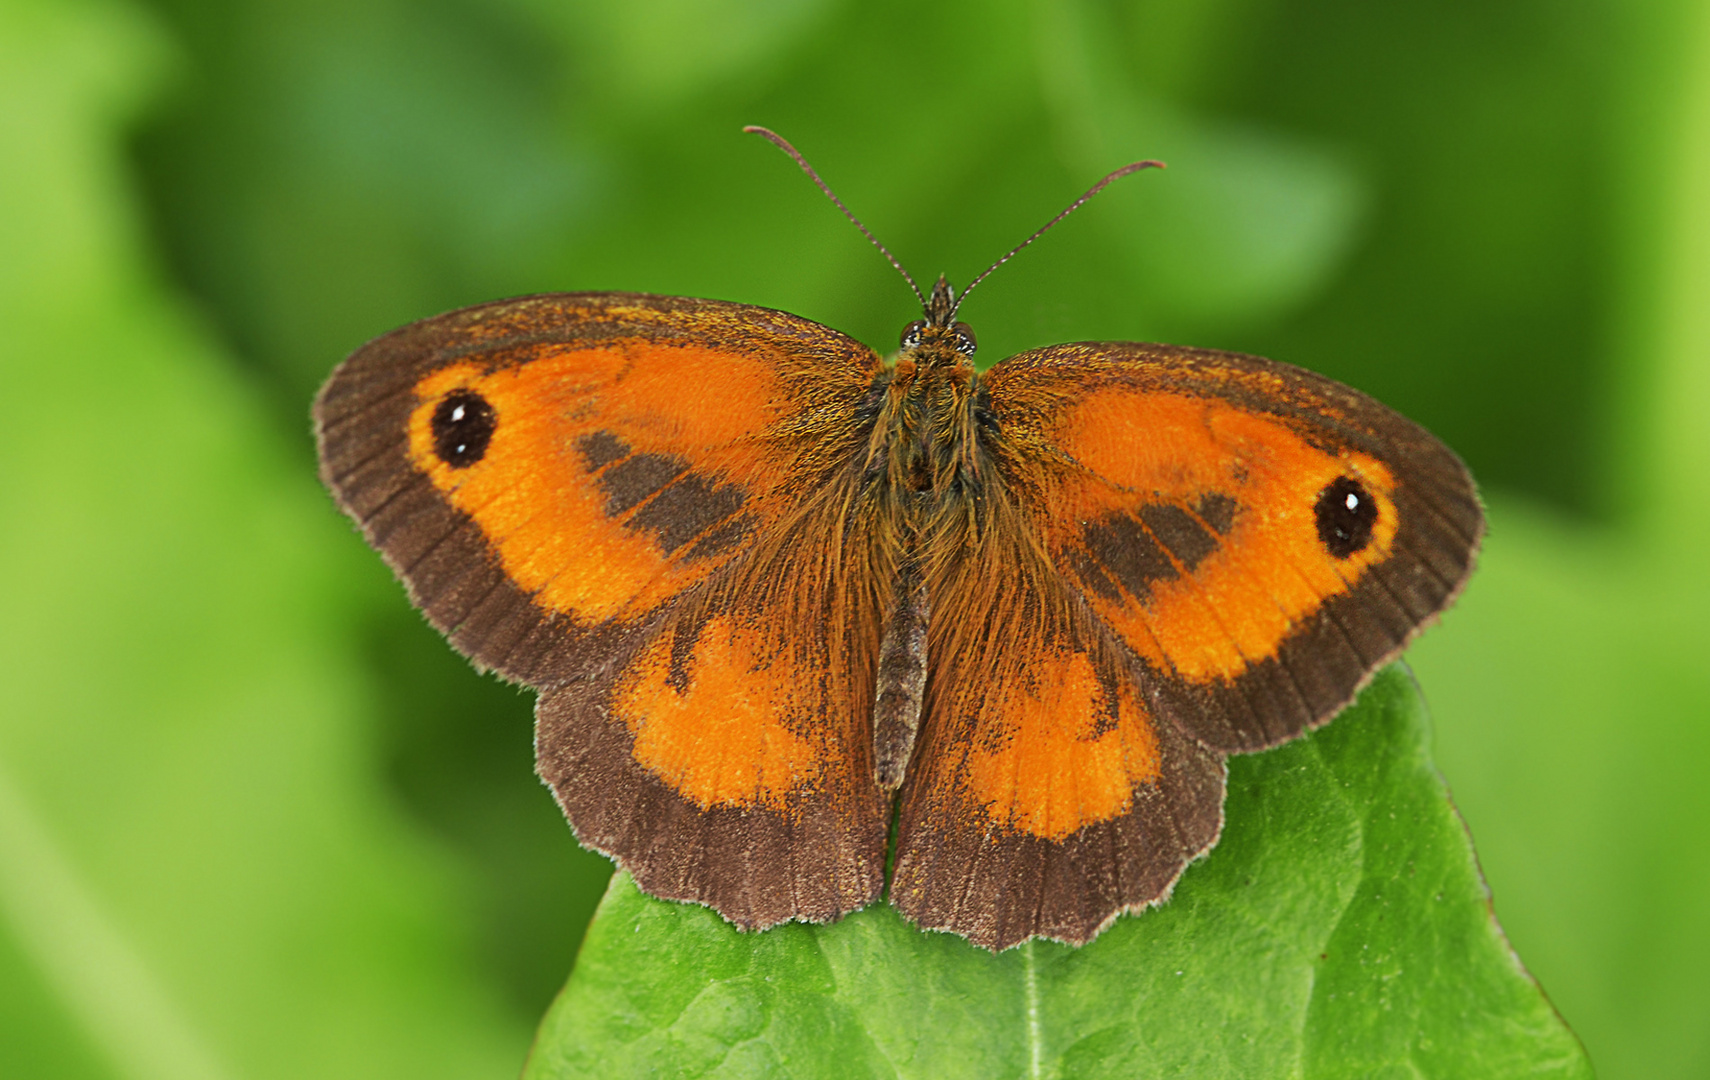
[(775, 591)]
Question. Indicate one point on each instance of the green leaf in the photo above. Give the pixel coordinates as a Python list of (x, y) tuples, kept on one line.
[(1573, 696), (1339, 929)]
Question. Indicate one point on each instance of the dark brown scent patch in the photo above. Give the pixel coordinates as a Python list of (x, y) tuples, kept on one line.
[(601, 448), (463, 425), (1346, 513), (1176, 529), (638, 477), (689, 508), (1126, 552), (679, 507)]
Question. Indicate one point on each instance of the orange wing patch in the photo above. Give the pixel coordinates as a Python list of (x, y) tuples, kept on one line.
[(599, 494), (1058, 748), (723, 726), (1199, 542)]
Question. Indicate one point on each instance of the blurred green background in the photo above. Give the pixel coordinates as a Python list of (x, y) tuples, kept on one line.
[(256, 820)]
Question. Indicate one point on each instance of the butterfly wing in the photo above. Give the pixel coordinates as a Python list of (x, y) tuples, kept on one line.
[(637, 505), (1225, 549), (1260, 538)]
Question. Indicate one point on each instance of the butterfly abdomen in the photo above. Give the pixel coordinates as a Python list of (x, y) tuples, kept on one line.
[(931, 470)]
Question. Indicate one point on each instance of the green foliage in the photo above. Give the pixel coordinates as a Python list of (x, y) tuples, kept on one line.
[(198, 877), (1572, 694), (1339, 929)]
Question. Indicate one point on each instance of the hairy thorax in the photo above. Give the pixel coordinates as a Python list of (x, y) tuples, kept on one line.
[(929, 467)]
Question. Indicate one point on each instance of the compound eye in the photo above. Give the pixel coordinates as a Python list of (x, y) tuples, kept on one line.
[(911, 334), (965, 343)]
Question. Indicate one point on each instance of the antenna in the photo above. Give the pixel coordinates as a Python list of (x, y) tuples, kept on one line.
[(783, 144), (1110, 178)]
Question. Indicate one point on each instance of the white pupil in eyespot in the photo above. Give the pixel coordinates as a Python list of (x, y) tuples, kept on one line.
[(1353, 501), (457, 415)]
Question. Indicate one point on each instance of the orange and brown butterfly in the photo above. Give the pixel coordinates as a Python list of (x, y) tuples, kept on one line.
[(773, 589)]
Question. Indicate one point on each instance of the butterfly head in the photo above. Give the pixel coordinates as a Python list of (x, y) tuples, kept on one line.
[(940, 333)]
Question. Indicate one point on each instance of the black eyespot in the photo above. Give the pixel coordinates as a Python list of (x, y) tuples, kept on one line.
[(911, 334), (462, 427), (1346, 513), (965, 342)]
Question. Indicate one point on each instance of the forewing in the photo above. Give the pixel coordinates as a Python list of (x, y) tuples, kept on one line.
[(632, 503), (1261, 539)]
